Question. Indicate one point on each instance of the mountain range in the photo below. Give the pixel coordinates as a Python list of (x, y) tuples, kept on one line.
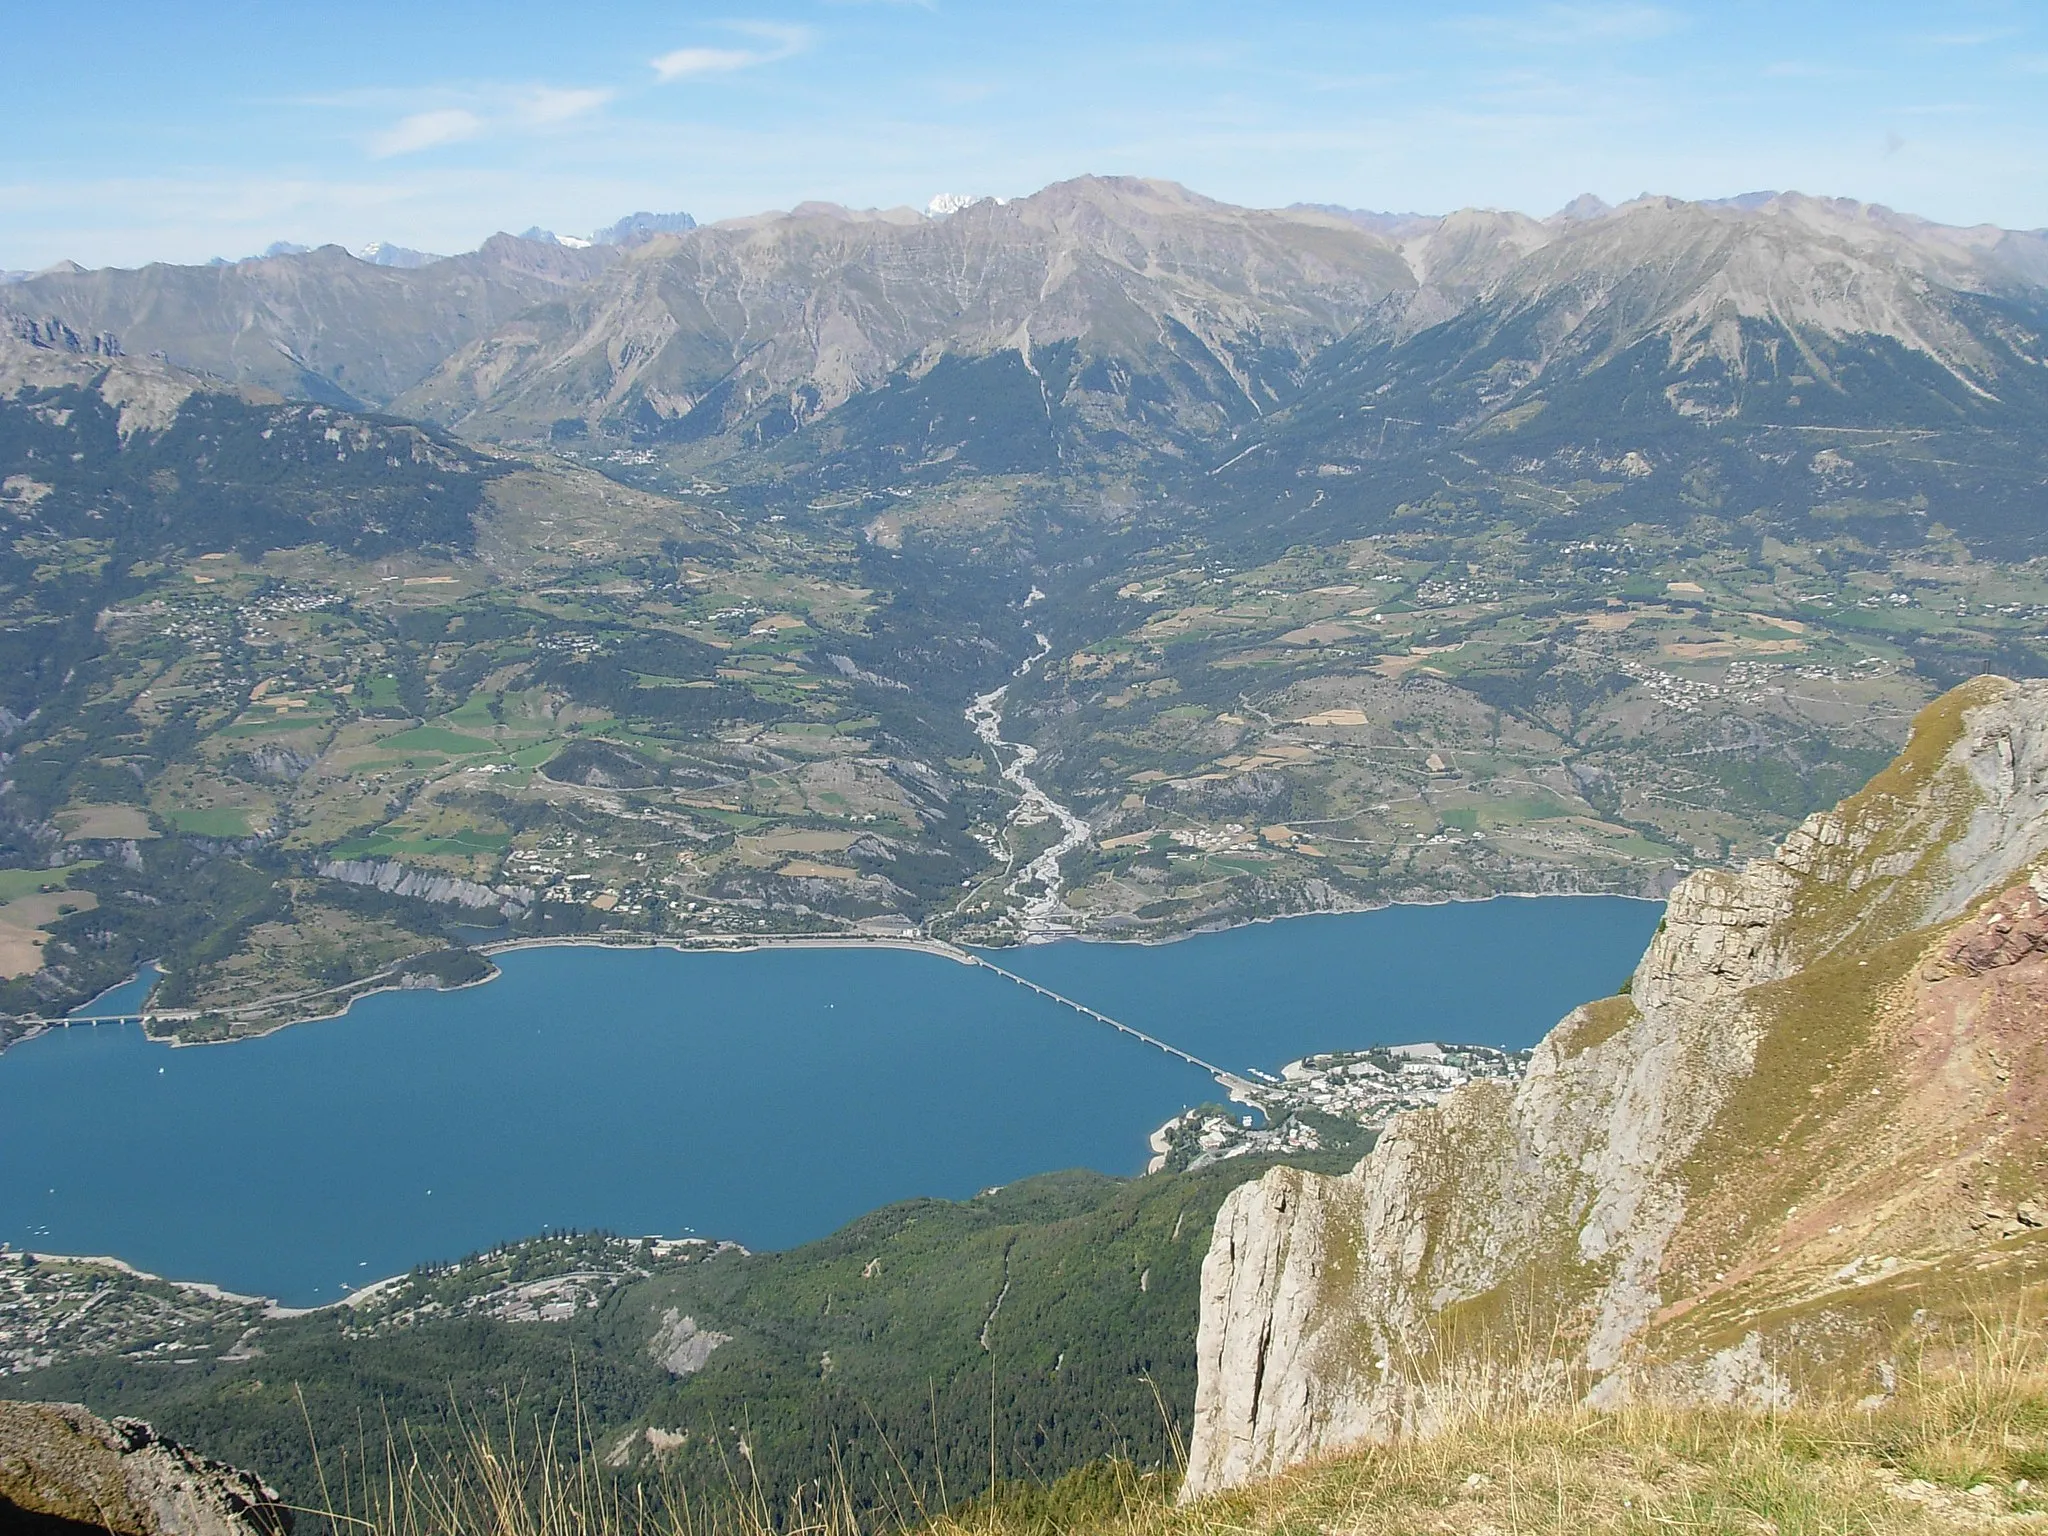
[(1375, 556), (1184, 317), (320, 325), (1130, 337)]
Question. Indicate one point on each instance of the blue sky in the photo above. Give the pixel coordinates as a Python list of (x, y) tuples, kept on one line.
[(162, 129)]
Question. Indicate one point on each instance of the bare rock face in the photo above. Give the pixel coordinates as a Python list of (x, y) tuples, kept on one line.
[(783, 318), (1830, 1055), (62, 1468), (681, 1347), (427, 885), (46, 353)]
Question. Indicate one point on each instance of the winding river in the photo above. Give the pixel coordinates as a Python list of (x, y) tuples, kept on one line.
[(1038, 888)]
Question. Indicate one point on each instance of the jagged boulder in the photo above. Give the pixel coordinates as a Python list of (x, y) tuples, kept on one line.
[(1770, 1167), (63, 1469)]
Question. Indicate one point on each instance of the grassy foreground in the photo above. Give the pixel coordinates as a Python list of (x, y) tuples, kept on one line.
[(1961, 1448)]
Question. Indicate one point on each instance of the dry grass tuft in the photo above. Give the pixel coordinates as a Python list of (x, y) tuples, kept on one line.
[(1960, 1446)]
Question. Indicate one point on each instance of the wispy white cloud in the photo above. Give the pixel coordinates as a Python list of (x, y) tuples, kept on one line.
[(780, 42), (684, 62), (476, 112), (552, 104), (426, 130)]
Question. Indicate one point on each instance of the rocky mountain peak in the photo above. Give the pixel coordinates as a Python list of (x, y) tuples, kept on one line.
[(738, 336), (1585, 206), (764, 325), (1728, 304), (1465, 252), (1152, 193), (384, 253), (944, 205), (635, 228)]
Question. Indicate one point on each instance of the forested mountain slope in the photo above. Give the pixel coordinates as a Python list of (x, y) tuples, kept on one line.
[(906, 1358)]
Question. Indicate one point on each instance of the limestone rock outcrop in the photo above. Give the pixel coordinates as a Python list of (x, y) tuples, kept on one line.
[(1721, 1184), (63, 1468), (681, 1347), (397, 879)]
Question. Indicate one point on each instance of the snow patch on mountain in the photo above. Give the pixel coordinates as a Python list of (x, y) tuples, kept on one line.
[(382, 253), (549, 237)]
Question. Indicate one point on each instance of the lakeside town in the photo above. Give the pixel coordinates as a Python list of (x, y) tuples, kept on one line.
[(59, 1309), (1334, 1101)]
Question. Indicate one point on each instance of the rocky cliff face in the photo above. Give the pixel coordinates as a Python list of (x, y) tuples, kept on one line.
[(44, 353), (64, 1469), (1807, 1136), (427, 885)]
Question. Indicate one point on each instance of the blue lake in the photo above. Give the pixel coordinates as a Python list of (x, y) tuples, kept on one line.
[(767, 1097)]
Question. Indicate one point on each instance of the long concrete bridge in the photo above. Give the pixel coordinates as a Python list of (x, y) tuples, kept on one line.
[(1237, 1087), (148, 1016)]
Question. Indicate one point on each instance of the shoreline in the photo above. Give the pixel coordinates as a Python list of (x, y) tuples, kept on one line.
[(1288, 917), (368, 987), (737, 944), (272, 1308), (269, 1306), (621, 941), (944, 949)]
